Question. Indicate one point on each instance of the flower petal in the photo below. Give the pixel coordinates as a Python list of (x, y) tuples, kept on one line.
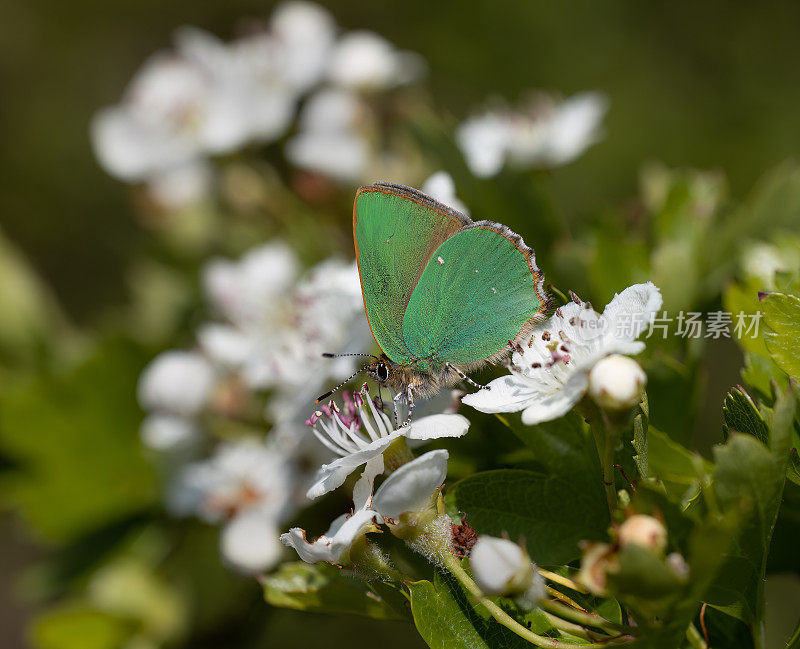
[(629, 313), (557, 404), (333, 475), (437, 426), (333, 547), (362, 491), (409, 489), (250, 542), (510, 393)]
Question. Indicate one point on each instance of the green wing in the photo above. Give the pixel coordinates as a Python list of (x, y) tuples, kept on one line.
[(479, 290), (396, 229)]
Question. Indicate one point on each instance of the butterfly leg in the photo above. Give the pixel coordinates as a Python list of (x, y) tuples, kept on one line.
[(464, 377), (395, 400), (410, 402)]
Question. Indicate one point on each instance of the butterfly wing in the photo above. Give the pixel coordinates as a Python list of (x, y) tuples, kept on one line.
[(396, 229), (480, 289)]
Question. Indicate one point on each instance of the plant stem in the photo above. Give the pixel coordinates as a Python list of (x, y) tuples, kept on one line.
[(694, 637), (584, 618), (560, 579), (455, 568), (568, 627), (605, 440)]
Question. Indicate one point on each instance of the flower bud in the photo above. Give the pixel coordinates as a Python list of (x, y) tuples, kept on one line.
[(645, 531), (598, 560), (616, 382), (501, 567)]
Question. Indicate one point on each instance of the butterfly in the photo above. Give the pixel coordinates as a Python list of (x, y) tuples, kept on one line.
[(443, 294)]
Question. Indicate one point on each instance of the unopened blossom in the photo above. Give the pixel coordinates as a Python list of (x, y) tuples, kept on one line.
[(441, 187), (597, 561), (359, 431), (546, 133), (550, 370), (502, 567), (364, 60), (616, 382), (644, 531)]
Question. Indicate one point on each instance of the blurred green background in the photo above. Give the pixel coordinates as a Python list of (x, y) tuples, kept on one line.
[(691, 84)]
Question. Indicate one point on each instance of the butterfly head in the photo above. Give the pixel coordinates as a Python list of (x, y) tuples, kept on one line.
[(381, 370)]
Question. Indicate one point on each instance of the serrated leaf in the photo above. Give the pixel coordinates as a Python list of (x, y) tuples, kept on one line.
[(678, 469), (446, 618), (640, 425), (327, 589), (749, 480), (782, 317), (531, 504), (739, 413)]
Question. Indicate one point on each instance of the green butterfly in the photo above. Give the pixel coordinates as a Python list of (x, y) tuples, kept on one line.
[(443, 294)]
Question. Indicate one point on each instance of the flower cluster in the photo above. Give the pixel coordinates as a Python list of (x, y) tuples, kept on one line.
[(206, 98), (546, 132)]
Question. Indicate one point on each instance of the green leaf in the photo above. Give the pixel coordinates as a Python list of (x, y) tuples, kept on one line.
[(73, 438), (640, 425), (324, 588), (77, 626), (739, 413), (642, 573), (749, 481), (760, 371), (531, 504), (782, 317), (678, 469), (446, 619)]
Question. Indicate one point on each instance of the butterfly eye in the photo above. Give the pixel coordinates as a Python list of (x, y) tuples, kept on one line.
[(382, 372)]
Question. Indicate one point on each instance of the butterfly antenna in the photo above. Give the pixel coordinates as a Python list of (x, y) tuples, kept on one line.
[(343, 383), (329, 355)]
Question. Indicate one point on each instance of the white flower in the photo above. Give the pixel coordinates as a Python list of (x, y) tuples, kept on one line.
[(249, 542), (168, 432), (246, 475), (305, 33), (176, 382), (331, 140), (441, 187), (645, 531), (366, 61), (616, 382), (547, 133), (360, 431), (334, 546), (278, 327), (502, 567), (549, 372), (406, 492)]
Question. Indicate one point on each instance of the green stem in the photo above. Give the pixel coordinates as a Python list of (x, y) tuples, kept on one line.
[(568, 627), (584, 618), (605, 441), (694, 637), (563, 581), (455, 568)]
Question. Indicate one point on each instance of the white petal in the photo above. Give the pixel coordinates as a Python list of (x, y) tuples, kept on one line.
[(437, 426), (510, 393), (363, 59), (441, 186), (250, 542), (409, 489), (484, 141), (176, 382), (180, 186), (629, 313), (333, 475), (335, 545), (341, 156), (558, 403), (362, 491), (225, 344), (168, 432), (574, 127)]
